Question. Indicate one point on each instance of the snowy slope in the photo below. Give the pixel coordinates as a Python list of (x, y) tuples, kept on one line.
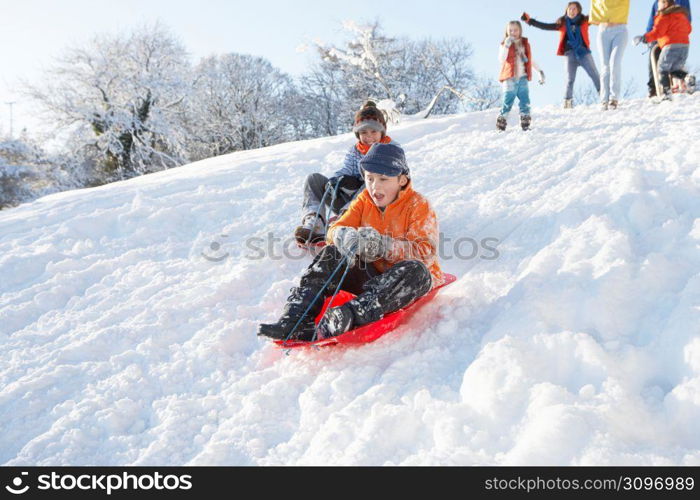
[(580, 344)]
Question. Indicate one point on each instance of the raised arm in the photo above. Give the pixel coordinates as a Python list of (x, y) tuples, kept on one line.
[(537, 24), (543, 26)]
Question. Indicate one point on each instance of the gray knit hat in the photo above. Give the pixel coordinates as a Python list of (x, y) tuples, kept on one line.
[(368, 125), (369, 116), (385, 159)]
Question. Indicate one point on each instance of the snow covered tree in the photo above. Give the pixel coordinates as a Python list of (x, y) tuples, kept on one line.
[(431, 66), (366, 61), (324, 105), (239, 102), (15, 176), (484, 93), (27, 172), (118, 97), (407, 72)]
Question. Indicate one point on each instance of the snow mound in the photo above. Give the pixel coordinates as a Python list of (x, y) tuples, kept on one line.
[(128, 312)]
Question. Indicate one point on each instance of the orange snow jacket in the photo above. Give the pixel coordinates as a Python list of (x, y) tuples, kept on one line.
[(671, 25), (508, 67), (409, 220)]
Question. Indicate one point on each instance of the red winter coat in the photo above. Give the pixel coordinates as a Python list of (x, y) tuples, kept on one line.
[(562, 36), (560, 26), (508, 67), (671, 25)]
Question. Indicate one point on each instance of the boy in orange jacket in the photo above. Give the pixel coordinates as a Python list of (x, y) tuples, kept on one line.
[(390, 235), (671, 30)]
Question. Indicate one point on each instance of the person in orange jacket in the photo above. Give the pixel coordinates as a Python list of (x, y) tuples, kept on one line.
[(656, 51), (574, 44), (389, 236), (672, 32)]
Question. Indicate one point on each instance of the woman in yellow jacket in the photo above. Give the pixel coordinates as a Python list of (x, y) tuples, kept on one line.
[(611, 17)]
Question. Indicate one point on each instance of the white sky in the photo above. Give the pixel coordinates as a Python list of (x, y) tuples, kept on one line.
[(34, 32)]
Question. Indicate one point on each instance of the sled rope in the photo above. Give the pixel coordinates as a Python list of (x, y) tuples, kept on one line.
[(329, 212), (337, 289), (318, 210), (308, 308)]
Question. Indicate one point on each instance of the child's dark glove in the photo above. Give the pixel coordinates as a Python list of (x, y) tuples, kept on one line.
[(541, 81), (348, 183), (371, 245), (525, 17), (334, 181)]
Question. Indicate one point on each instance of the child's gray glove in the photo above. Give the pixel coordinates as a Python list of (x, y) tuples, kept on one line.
[(638, 39), (345, 238), (541, 78), (371, 245)]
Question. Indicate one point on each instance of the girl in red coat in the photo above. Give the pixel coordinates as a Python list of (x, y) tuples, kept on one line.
[(574, 44)]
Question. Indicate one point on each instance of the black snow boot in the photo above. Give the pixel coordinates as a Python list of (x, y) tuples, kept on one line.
[(297, 303), (525, 121), (501, 123), (311, 230), (302, 298), (282, 329), (336, 321)]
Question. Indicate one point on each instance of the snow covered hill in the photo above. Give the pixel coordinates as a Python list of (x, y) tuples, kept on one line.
[(121, 343)]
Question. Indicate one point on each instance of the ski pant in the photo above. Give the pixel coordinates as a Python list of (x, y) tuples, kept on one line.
[(572, 65), (513, 88), (672, 63), (611, 42), (315, 186), (377, 294)]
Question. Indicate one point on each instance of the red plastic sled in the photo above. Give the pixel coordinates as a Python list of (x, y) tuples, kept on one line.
[(371, 331)]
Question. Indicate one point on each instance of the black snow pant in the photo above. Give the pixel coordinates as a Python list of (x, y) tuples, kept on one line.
[(377, 294), (315, 186)]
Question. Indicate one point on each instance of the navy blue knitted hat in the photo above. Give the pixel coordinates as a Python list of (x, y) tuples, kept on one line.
[(385, 159)]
